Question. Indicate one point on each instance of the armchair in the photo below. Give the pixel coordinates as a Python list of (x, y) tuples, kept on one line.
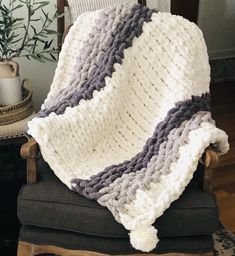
[(56, 220)]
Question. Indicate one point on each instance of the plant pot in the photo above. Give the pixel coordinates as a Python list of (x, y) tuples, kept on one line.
[(23, 109), (9, 69), (10, 91), (10, 86)]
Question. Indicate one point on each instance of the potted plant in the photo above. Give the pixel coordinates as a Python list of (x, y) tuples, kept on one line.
[(22, 37)]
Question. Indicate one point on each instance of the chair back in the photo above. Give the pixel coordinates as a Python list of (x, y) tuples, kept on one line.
[(185, 8), (61, 4)]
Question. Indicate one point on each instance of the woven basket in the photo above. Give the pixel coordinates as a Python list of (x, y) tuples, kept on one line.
[(13, 113)]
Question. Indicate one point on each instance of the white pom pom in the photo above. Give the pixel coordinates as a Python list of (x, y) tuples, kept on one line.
[(144, 238)]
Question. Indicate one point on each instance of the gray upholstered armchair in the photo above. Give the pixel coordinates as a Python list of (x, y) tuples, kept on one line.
[(56, 220)]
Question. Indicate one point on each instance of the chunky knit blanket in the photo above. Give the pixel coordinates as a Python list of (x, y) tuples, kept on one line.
[(127, 117)]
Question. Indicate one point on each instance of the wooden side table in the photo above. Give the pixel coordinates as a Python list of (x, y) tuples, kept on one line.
[(12, 177), (14, 131)]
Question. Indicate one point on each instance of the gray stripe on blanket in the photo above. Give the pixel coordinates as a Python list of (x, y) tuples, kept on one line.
[(107, 43), (123, 190), (175, 117), (89, 56)]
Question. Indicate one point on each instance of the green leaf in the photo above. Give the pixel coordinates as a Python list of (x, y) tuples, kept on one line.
[(34, 29), (41, 2), (29, 45), (53, 57), (48, 44), (41, 5), (39, 39), (16, 41), (51, 32), (31, 11), (19, 19), (16, 27), (2, 9), (46, 58), (41, 34), (17, 7), (10, 39), (45, 14), (35, 19), (12, 1), (59, 15), (36, 57)]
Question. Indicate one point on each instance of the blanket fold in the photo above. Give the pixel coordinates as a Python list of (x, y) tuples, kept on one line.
[(128, 115)]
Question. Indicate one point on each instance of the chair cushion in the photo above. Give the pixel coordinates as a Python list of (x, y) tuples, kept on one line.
[(50, 204), (109, 245)]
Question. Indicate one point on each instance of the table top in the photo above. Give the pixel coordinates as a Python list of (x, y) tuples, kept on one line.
[(14, 133)]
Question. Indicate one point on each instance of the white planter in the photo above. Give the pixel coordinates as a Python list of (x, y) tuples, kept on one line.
[(10, 91)]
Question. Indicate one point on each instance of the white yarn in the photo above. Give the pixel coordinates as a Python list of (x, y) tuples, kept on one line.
[(144, 239), (73, 43), (150, 204)]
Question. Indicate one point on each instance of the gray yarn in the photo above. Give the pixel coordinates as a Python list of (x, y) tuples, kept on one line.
[(177, 115), (122, 190), (107, 53), (89, 56)]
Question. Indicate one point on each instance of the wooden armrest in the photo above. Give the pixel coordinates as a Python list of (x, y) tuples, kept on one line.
[(211, 160), (29, 151)]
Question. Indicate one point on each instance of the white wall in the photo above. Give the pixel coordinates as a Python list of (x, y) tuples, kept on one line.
[(217, 21), (161, 5), (40, 75)]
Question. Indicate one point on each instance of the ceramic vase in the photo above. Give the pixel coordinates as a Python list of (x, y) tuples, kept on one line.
[(10, 86)]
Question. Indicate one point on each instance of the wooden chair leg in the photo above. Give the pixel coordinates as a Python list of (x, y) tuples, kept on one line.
[(27, 249), (24, 249)]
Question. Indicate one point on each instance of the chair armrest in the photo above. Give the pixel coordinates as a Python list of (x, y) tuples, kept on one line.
[(211, 160), (29, 151)]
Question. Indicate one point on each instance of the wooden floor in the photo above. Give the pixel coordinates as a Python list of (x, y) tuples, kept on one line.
[(223, 110)]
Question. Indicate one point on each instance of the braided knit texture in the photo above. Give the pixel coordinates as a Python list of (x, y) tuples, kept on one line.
[(128, 115)]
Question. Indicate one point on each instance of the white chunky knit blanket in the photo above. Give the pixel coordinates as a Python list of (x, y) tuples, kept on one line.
[(127, 117)]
